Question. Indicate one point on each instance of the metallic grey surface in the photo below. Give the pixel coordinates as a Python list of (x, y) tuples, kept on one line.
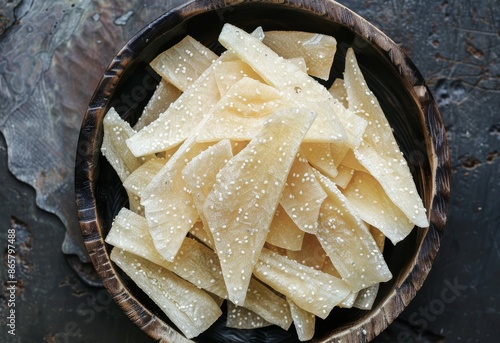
[(50, 61)]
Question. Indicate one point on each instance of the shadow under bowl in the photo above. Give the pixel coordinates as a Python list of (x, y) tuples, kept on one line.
[(129, 82)]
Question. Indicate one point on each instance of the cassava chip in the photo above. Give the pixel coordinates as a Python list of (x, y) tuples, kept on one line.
[(283, 232), (241, 112), (317, 49), (368, 198), (116, 131), (311, 289), (168, 203), (183, 63), (188, 307), (300, 88), (303, 195), (241, 206), (379, 152), (163, 96), (361, 265), (228, 73), (320, 157), (303, 321), (239, 317)]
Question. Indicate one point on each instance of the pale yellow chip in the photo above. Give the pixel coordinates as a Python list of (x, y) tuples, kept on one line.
[(338, 91), (303, 195), (366, 297), (361, 265), (140, 178), (116, 131), (367, 197), (311, 254), (188, 307), (303, 321), (183, 63), (320, 157), (168, 203), (239, 317), (379, 152), (241, 206), (300, 89), (242, 111), (311, 289), (329, 268), (269, 305), (228, 73), (283, 232), (201, 172), (318, 50), (164, 95), (195, 263), (344, 176)]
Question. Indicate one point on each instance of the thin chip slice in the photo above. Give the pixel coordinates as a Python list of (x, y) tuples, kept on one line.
[(367, 197), (303, 321), (302, 195), (338, 91), (311, 254), (283, 232), (379, 153), (366, 297), (299, 62), (317, 49), (164, 95), (242, 111), (311, 289), (188, 307), (168, 203), (350, 161), (300, 88), (361, 265), (239, 317), (338, 152), (228, 73), (116, 131), (140, 178), (195, 263), (344, 176), (329, 268), (320, 157), (183, 63), (180, 119), (134, 204), (202, 234), (200, 173), (379, 237), (241, 206), (268, 304)]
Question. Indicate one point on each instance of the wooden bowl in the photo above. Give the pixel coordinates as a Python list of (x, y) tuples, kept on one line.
[(128, 83)]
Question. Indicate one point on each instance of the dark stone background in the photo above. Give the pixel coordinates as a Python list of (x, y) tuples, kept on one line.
[(456, 46)]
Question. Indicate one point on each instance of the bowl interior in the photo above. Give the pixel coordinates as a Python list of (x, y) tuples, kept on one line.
[(134, 82)]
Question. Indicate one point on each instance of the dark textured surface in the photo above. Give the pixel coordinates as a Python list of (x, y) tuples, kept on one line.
[(455, 45)]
